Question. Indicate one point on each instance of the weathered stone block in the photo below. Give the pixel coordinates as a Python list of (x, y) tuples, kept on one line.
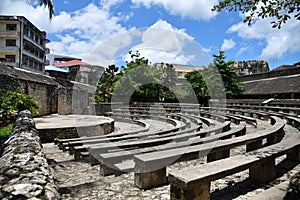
[(263, 171), (150, 179), (217, 155), (199, 190)]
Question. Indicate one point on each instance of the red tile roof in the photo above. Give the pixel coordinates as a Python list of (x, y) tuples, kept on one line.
[(70, 63)]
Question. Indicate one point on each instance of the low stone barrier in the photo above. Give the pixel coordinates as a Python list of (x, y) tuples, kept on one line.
[(24, 172)]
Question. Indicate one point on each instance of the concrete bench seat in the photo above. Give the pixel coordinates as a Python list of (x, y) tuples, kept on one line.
[(79, 146), (206, 121), (283, 109), (245, 112), (135, 135), (294, 121), (149, 164), (194, 182), (63, 143), (97, 149), (116, 157), (250, 120)]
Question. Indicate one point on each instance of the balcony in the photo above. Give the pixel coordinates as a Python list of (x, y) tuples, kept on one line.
[(33, 56), (10, 34), (34, 42), (9, 49)]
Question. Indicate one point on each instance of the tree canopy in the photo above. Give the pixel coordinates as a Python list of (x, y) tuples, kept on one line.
[(208, 76), (282, 10), (49, 4), (139, 80)]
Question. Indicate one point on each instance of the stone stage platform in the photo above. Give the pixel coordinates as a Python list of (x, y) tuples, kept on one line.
[(55, 126)]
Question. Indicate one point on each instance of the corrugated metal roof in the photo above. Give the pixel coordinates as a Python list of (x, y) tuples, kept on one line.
[(278, 85), (70, 63), (54, 68)]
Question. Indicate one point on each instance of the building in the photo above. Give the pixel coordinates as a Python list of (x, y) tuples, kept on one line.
[(282, 82), (22, 44), (182, 70), (57, 59), (73, 69), (251, 67)]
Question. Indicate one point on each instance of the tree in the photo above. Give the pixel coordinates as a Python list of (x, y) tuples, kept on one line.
[(47, 3), (207, 82), (282, 10), (139, 80), (228, 74), (197, 82), (107, 83)]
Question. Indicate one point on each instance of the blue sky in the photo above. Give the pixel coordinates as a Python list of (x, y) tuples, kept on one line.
[(102, 31)]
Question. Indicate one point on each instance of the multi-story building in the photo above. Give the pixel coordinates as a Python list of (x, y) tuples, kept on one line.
[(22, 44)]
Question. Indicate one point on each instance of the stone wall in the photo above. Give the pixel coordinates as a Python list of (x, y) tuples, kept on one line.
[(54, 95), (270, 74), (24, 172), (49, 135)]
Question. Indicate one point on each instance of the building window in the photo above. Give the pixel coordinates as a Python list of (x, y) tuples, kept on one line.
[(11, 43), (10, 58), (179, 74), (26, 31), (11, 27), (25, 61)]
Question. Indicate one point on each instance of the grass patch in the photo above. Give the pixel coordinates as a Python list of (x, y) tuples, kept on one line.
[(5, 133)]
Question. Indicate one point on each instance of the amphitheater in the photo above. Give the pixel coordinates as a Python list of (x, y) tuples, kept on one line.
[(182, 151), (245, 149)]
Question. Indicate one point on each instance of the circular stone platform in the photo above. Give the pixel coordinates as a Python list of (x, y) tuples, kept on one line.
[(71, 126)]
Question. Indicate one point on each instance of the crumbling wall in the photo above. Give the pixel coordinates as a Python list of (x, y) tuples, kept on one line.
[(24, 172), (44, 90), (54, 95)]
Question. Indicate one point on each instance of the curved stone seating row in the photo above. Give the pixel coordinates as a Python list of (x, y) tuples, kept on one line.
[(181, 138), (99, 148), (145, 163), (117, 157), (63, 143), (194, 182), (178, 138), (283, 109), (77, 147), (191, 124)]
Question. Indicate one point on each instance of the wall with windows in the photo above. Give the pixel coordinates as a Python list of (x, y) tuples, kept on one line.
[(22, 44), (10, 42)]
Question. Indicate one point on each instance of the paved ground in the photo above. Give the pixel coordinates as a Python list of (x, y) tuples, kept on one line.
[(55, 121), (78, 180)]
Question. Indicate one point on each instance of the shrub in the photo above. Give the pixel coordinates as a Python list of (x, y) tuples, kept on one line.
[(12, 102), (5, 133)]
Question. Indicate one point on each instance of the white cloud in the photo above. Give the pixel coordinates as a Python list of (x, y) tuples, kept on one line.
[(107, 4), (227, 44), (242, 50), (193, 9), (278, 41), (37, 15), (78, 32), (161, 42)]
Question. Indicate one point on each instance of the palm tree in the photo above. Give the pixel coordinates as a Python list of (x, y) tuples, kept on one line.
[(49, 4)]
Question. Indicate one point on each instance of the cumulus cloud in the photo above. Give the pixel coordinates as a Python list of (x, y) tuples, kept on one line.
[(161, 42), (78, 32), (192, 9), (37, 15), (242, 50), (96, 35), (278, 41), (227, 44)]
